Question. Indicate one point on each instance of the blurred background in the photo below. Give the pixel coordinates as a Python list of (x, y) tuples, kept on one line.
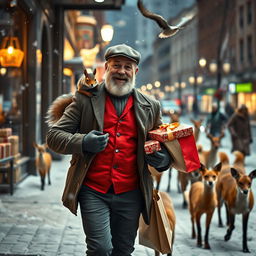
[(46, 44)]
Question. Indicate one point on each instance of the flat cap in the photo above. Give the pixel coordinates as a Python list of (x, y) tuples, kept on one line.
[(122, 50)]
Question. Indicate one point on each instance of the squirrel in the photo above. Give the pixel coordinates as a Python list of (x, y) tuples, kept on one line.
[(85, 85)]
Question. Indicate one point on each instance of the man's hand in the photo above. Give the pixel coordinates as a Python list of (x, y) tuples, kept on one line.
[(95, 141), (159, 159)]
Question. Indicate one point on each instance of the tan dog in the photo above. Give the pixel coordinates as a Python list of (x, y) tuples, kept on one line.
[(43, 163), (234, 189), (202, 199)]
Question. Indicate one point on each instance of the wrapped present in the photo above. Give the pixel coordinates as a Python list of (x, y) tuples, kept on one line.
[(151, 146), (169, 132), (180, 142), (5, 132), (5, 150), (4, 139), (14, 140)]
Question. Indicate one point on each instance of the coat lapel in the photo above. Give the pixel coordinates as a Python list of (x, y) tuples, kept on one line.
[(142, 108), (98, 105)]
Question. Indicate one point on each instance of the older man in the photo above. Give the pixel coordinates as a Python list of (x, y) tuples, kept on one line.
[(109, 175)]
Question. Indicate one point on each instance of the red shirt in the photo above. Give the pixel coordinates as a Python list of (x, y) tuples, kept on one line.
[(117, 164)]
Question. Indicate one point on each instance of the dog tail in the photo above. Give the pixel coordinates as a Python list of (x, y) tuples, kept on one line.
[(224, 159), (239, 159), (57, 109)]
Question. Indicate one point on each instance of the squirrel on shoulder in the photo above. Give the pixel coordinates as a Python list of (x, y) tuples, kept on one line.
[(86, 85)]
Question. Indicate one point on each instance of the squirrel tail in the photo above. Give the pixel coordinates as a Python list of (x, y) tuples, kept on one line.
[(57, 109)]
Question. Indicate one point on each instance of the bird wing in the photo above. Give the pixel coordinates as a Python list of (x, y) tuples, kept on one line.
[(158, 18), (184, 20)]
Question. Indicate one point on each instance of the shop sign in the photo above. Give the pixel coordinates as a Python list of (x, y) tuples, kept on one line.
[(244, 87), (209, 91)]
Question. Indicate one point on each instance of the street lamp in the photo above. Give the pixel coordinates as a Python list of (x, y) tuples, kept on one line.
[(195, 81), (107, 33), (217, 67), (180, 86)]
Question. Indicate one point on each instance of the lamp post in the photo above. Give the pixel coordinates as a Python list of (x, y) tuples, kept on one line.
[(217, 67), (180, 85), (195, 81)]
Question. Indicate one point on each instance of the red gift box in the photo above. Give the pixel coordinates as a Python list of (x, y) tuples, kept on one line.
[(5, 132), (152, 146), (5, 150), (169, 132)]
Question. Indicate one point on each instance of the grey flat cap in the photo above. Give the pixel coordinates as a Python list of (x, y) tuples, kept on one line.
[(122, 50)]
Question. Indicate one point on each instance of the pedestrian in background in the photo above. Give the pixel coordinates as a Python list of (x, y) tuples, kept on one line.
[(215, 122), (109, 175), (240, 130)]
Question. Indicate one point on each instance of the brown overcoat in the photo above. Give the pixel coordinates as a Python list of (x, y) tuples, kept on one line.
[(240, 131), (87, 113)]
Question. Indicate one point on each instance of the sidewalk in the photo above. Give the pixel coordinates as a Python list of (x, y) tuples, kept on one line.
[(34, 222)]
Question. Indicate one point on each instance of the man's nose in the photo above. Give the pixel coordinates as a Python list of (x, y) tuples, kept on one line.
[(121, 70)]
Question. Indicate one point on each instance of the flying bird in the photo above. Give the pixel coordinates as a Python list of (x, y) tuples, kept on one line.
[(168, 30)]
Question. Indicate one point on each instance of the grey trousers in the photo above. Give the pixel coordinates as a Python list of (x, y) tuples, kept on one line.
[(110, 221)]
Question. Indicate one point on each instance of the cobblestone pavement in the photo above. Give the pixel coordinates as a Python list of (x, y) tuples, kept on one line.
[(34, 222)]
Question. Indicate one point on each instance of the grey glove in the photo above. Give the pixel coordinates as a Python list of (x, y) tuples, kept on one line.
[(95, 141), (159, 159)]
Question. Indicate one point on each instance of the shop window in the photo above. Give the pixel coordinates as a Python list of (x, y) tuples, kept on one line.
[(12, 81)]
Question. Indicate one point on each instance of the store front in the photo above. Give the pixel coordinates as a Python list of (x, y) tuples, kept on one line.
[(25, 82)]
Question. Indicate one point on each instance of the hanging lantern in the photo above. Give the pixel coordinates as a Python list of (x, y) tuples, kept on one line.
[(10, 53)]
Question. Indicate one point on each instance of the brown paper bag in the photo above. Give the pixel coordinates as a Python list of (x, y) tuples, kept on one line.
[(158, 234)]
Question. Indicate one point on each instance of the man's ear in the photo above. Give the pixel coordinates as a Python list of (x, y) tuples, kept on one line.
[(106, 65), (136, 70)]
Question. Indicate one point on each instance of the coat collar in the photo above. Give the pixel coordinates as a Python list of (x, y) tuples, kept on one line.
[(141, 106)]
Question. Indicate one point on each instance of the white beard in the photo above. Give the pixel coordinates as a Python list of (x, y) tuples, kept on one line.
[(116, 89)]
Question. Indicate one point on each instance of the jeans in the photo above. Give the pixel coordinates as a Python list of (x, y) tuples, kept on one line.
[(110, 221)]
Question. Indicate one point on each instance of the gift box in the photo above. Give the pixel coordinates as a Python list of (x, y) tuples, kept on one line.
[(152, 146), (180, 142), (5, 150), (14, 140), (5, 132), (169, 132), (4, 139)]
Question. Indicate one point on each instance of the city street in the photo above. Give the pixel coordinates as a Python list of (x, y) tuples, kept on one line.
[(34, 222)]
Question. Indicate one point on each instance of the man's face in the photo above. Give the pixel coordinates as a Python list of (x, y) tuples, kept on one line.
[(120, 75)]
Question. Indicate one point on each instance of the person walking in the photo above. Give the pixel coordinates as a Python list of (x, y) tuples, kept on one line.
[(240, 130), (215, 122), (109, 176)]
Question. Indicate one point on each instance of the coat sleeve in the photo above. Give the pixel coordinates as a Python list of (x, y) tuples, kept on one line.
[(63, 137)]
